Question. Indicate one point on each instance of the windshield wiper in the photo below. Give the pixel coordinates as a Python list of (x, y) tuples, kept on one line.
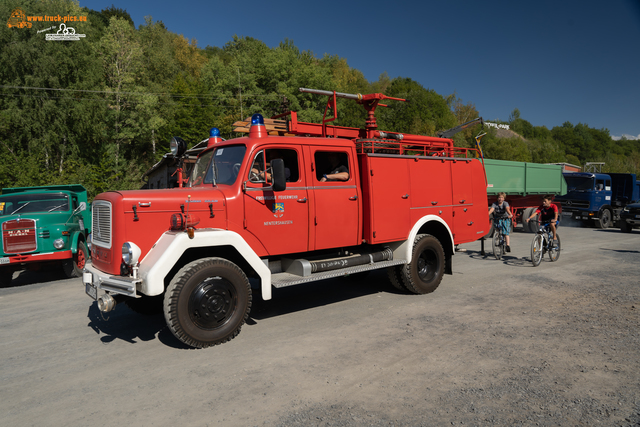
[(19, 208), (57, 207)]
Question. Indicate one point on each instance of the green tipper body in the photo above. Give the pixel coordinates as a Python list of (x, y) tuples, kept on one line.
[(523, 179)]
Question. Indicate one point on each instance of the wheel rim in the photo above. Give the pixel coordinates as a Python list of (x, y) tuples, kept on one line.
[(427, 265), (213, 303), (606, 218), (537, 250), (80, 259)]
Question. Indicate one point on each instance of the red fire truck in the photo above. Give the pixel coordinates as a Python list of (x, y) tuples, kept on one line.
[(290, 203)]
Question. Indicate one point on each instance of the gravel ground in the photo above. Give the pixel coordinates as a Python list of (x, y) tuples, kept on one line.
[(499, 343)]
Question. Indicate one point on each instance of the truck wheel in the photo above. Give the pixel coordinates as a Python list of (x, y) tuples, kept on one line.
[(605, 219), (526, 226), (424, 273), (6, 275), (207, 302), (74, 266), (625, 227), (395, 277)]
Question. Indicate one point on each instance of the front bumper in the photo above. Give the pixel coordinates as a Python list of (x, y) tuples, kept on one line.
[(578, 215), (38, 257), (92, 277)]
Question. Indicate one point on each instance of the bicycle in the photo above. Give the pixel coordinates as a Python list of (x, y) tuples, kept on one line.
[(499, 241), (543, 243)]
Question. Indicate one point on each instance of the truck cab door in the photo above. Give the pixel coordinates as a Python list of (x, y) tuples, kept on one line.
[(336, 209), (280, 220)]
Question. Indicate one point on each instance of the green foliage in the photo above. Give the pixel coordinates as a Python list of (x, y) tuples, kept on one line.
[(101, 111)]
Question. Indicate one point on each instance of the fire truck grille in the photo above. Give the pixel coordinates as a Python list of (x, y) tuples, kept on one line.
[(19, 236), (574, 204), (101, 233)]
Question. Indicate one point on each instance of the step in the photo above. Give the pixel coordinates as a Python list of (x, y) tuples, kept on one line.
[(282, 280)]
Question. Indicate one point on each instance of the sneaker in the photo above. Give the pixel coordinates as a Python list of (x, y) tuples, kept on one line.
[(508, 248)]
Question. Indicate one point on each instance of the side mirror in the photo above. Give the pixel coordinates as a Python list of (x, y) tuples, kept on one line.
[(82, 207), (279, 181)]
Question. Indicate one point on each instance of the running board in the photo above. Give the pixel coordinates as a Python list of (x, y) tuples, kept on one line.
[(282, 280)]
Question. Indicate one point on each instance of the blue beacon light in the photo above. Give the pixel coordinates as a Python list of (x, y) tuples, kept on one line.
[(214, 133), (257, 119)]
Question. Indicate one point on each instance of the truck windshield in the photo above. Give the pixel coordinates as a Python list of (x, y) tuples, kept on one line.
[(575, 183), (218, 167), (30, 203)]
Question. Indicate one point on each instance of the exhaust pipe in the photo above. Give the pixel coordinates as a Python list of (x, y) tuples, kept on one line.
[(106, 303)]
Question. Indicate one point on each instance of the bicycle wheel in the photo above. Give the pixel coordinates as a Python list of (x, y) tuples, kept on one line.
[(554, 252), (497, 243), (536, 249)]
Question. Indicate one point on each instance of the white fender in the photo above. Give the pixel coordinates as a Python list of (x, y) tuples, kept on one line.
[(172, 244), (404, 250)]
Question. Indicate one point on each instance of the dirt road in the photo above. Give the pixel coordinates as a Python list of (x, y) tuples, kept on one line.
[(499, 343)]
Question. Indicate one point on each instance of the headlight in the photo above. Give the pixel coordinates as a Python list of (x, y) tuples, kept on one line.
[(58, 243), (130, 253)]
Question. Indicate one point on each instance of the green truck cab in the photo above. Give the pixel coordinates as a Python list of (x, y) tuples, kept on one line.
[(44, 225)]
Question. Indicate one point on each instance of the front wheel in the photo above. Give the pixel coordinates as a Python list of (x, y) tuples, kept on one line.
[(207, 302), (605, 219), (497, 245), (536, 249), (554, 252), (74, 266), (424, 273)]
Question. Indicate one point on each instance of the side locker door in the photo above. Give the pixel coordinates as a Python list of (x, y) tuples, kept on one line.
[(431, 189), (280, 220), (391, 198), (463, 214), (336, 217)]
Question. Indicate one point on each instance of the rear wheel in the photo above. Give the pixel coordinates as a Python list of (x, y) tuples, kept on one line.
[(497, 245), (554, 252), (536, 249), (424, 273), (605, 219), (526, 226), (74, 266), (207, 302)]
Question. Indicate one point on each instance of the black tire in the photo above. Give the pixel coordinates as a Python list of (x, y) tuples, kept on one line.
[(497, 247), (424, 274), (604, 220), (395, 277), (73, 267), (207, 302), (6, 276), (526, 226), (625, 227), (147, 306), (537, 249), (554, 253)]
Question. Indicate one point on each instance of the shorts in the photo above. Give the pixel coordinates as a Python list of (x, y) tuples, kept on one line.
[(505, 225)]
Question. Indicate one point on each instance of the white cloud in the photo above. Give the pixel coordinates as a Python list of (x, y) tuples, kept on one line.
[(617, 138)]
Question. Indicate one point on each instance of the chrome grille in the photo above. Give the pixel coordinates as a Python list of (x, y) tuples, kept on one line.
[(19, 236), (101, 214)]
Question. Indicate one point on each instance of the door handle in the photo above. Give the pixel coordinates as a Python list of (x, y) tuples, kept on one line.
[(303, 200), (463, 200), (406, 196), (353, 197), (434, 203), (471, 223)]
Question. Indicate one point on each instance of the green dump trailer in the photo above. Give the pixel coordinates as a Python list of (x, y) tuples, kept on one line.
[(525, 184)]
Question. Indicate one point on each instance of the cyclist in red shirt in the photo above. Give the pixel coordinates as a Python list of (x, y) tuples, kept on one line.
[(548, 213)]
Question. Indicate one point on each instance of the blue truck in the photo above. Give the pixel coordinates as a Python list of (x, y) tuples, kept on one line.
[(598, 198)]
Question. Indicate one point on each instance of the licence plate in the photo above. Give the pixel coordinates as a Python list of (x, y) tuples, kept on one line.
[(91, 290), (4, 260), (637, 216), (566, 213)]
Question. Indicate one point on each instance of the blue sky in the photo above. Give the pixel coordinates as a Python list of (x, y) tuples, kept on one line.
[(556, 61)]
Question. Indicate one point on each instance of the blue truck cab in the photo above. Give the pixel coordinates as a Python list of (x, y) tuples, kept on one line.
[(597, 197)]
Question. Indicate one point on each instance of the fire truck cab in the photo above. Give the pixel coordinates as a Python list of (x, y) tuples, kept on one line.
[(305, 204)]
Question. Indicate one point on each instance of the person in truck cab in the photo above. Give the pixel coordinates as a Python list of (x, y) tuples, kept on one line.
[(258, 174), (548, 213), (337, 170), (502, 212)]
